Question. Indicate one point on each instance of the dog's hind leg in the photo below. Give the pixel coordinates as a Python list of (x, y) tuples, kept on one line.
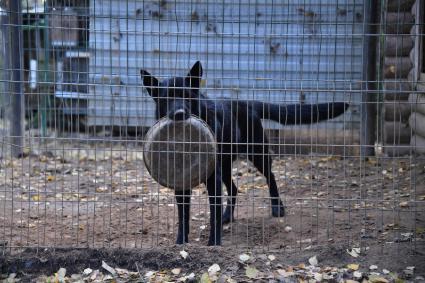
[(263, 163), (232, 192), (183, 209), (216, 208)]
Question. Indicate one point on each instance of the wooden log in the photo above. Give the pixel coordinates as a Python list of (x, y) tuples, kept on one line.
[(396, 90), (418, 144), (417, 123), (397, 133), (397, 67), (417, 102), (397, 112), (398, 45), (411, 75), (399, 5), (412, 55), (414, 9), (399, 23), (414, 34), (397, 150), (304, 140), (421, 87)]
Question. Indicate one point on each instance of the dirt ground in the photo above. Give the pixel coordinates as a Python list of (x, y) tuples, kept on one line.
[(99, 197), (30, 263)]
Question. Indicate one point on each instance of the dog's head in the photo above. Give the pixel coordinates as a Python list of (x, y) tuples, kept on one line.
[(177, 98)]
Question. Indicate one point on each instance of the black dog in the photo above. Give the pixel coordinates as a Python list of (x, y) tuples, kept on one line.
[(238, 130)]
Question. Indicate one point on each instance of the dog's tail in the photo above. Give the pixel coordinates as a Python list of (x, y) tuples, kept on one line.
[(300, 113)]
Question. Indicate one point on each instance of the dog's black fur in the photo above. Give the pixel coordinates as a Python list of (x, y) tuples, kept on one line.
[(238, 130)]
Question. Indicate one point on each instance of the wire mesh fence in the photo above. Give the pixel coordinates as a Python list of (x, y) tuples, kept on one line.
[(75, 108)]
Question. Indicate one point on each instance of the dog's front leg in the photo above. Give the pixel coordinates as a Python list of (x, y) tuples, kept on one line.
[(183, 208), (216, 210)]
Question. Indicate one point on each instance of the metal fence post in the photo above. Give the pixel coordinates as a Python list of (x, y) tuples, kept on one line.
[(14, 52)]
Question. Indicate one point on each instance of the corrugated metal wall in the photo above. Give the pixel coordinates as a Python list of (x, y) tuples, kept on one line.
[(282, 51)]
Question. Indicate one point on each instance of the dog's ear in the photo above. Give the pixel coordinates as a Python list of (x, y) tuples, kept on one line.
[(193, 78), (151, 83)]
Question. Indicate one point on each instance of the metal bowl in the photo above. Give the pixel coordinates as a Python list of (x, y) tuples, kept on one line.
[(180, 154)]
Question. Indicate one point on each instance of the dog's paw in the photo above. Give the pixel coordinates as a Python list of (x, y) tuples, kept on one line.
[(228, 216), (278, 210), (214, 243), (181, 241)]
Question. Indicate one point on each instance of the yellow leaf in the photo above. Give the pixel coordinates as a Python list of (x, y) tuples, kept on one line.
[(353, 266), (205, 278), (36, 198), (50, 178), (404, 204), (377, 279), (251, 272)]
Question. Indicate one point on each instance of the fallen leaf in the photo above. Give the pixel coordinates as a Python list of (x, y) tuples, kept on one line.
[(213, 269), (354, 252), (149, 274), (284, 273), (36, 198), (184, 254), (102, 189), (357, 274), (251, 272), (318, 277), (244, 257), (60, 275), (313, 261), (50, 178), (108, 268), (301, 266), (377, 279), (94, 274), (122, 272), (205, 278), (353, 266), (404, 204)]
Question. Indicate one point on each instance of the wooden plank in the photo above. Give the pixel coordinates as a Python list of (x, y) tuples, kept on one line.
[(397, 67), (398, 112), (397, 150), (418, 144), (304, 141), (417, 102), (397, 133), (399, 23), (418, 29), (396, 90), (399, 5), (398, 45), (417, 123)]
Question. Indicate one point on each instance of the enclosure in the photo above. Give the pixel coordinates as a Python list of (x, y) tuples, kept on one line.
[(74, 189)]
